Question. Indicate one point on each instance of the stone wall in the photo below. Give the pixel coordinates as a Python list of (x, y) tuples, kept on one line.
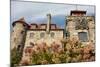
[(73, 21), (48, 38)]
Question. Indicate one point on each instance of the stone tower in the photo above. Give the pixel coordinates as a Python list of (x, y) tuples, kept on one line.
[(80, 26), (18, 33)]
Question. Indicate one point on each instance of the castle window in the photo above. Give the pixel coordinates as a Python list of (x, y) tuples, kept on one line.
[(52, 34), (32, 44), (83, 36), (31, 35), (67, 34), (22, 32), (42, 35), (19, 47)]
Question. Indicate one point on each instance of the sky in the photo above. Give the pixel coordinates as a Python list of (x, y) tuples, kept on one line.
[(35, 12)]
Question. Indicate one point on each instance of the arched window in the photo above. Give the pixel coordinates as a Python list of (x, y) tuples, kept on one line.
[(42, 35), (52, 34), (31, 35)]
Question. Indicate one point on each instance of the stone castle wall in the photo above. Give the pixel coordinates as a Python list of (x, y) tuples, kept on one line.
[(48, 38), (72, 21)]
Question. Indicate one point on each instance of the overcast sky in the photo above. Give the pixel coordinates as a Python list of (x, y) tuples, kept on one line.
[(35, 12)]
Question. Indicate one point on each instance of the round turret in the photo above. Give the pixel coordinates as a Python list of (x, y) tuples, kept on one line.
[(18, 33)]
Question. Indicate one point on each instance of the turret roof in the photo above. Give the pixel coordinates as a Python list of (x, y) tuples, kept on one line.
[(21, 20)]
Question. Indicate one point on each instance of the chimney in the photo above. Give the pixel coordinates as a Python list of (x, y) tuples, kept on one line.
[(48, 22)]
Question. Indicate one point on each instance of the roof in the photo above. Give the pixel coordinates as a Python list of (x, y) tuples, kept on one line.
[(78, 11), (38, 26), (41, 29), (21, 20), (34, 24), (45, 29)]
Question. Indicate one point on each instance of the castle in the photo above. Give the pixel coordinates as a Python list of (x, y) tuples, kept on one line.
[(77, 26), (35, 33), (80, 26)]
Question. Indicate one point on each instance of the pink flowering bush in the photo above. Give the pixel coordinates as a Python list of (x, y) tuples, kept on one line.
[(69, 50)]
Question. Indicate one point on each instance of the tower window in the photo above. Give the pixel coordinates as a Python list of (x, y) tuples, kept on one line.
[(22, 32), (42, 35), (83, 36), (52, 34), (19, 47)]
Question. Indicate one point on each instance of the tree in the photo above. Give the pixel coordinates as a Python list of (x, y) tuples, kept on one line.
[(15, 57)]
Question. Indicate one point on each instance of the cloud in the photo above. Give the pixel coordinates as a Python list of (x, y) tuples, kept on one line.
[(36, 12)]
